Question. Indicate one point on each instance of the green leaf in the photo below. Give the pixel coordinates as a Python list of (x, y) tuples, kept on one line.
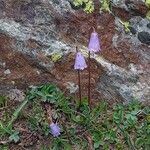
[(78, 119), (119, 146), (15, 137), (84, 102), (97, 111), (139, 142), (134, 105), (118, 116), (67, 146), (146, 110), (3, 100), (4, 147), (98, 144), (5, 130), (72, 131), (17, 111), (148, 15), (147, 3), (105, 5)]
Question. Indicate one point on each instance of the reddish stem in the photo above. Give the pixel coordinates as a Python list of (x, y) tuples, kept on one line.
[(89, 85), (79, 84), (93, 29)]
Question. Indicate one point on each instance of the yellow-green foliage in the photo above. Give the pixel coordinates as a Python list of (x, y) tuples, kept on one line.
[(147, 3), (105, 5), (148, 15), (56, 57), (89, 5), (126, 25)]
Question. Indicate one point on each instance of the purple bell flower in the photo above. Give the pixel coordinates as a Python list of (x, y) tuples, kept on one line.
[(94, 43), (80, 63), (55, 130)]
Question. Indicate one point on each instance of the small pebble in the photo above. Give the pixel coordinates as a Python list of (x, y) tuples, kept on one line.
[(7, 72)]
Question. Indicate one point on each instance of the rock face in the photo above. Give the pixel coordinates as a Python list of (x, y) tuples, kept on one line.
[(136, 83), (32, 23), (40, 28)]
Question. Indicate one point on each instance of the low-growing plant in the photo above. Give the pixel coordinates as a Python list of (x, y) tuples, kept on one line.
[(101, 127)]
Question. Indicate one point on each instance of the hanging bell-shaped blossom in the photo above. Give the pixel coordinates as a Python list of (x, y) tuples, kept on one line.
[(80, 63), (94, 43), (55, 130)]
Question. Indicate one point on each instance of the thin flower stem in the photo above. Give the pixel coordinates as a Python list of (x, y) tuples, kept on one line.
[(79, 82), (89, 85), (93, 29)]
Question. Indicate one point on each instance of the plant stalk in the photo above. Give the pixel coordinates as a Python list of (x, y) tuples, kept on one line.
[(79, 84), (89, 84)]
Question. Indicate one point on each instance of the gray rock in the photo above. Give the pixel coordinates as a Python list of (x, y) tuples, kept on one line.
[(72, 87), (2, 8), (16, 95), (140, 25), (7, 72), (129, 5), (144, 37), (123, 84), (120, 4), (132, 30), (2, 64)]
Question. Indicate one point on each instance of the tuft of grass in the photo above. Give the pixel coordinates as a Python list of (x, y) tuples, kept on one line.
[(3, 101)]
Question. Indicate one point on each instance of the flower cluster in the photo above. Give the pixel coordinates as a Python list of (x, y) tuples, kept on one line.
[(93, 46)]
